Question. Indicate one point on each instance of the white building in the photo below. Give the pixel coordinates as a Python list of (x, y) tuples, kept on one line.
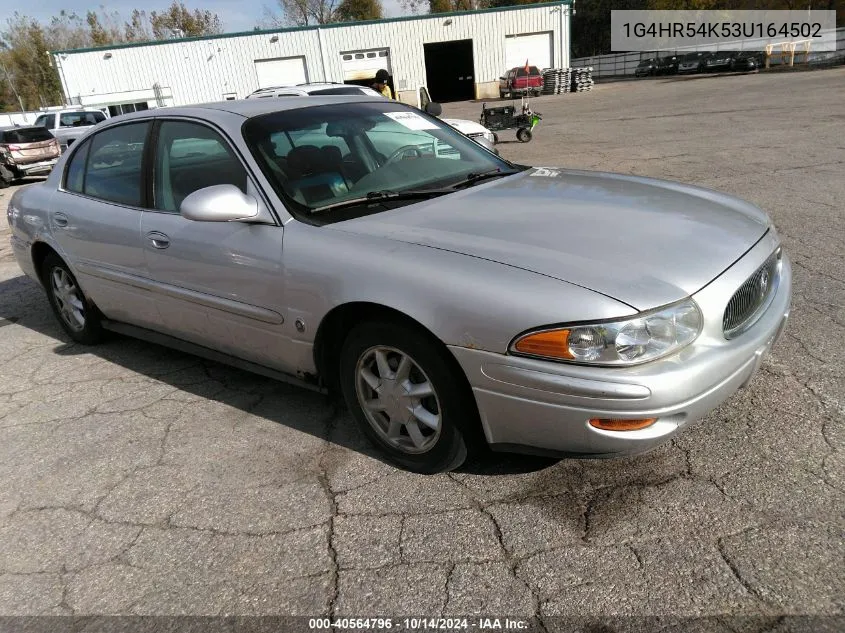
[(457, 55)]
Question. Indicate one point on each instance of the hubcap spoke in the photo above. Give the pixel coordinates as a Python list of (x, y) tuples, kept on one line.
[(425, 416), (415, 434), (374, 405), (420, 390), (394, 429), (370, 378), (384, 370), (404, 369)]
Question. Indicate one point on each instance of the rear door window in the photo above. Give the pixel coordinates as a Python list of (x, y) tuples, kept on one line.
[(75, 174)]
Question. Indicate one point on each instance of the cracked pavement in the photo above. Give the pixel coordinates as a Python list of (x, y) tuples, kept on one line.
[(139, 480)]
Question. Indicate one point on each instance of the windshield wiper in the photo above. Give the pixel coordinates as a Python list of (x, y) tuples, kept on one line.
[(382, 196), (472, 178)]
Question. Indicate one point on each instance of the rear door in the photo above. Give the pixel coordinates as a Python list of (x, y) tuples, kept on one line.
[(96, 220), (217, 284)]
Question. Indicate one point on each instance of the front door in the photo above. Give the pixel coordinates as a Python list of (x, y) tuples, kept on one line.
[(217, 284), (96, 220)]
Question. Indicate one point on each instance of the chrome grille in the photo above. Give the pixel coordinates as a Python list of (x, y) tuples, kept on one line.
[(752, 298)]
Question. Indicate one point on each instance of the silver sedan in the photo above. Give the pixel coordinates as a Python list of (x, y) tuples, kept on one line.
[(454, 299)]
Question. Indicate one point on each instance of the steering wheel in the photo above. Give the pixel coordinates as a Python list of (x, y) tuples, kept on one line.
[(400, 153)]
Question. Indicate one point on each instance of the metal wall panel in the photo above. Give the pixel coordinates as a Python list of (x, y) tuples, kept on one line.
[(205, 69)]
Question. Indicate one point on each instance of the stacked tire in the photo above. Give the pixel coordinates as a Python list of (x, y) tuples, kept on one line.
[(582, 79), (557, 81)]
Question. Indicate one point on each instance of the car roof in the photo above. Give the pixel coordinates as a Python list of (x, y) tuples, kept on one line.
[(246, 108), (8, 128)]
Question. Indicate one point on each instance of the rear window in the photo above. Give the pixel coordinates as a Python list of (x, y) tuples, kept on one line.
[(27, 135), (337, 91), (80, 119), (532, 70)]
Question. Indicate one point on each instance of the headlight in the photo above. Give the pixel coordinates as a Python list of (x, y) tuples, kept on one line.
[(489, 136), (628, 341)]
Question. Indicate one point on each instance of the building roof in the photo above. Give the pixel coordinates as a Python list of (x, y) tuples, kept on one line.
[(333, 25)]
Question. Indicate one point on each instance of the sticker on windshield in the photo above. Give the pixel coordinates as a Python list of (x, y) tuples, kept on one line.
[(411, 120)]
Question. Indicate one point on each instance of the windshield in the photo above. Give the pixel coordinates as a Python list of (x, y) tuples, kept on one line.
[(321, 156)]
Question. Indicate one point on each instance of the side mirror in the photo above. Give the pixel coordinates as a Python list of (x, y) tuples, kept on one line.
[(434, 109), (219, 203)]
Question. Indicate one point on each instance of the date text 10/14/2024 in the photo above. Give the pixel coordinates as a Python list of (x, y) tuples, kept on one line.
[(418, 624)]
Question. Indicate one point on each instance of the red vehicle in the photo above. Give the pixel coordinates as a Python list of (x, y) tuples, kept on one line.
[(524, 80)]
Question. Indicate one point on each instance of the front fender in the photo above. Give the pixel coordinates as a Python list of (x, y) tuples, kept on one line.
[(464, 301)]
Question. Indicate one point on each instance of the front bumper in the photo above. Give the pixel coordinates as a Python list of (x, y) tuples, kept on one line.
[(541, 407)]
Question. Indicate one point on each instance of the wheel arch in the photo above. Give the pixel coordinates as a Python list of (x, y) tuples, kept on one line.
[(337, 323), (39, 253)]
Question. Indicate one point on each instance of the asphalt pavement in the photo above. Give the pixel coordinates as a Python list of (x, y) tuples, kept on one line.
[(138, 480)]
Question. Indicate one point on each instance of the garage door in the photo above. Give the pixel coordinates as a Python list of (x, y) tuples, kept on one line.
[(287, 71), (363, 65), (535, 47)]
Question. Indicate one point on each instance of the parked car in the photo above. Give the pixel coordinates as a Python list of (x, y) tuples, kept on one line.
[(646, 68), (521, 81), (747, 60), (454, 298), (472, 129), (691, 63), (26, 151), (667, 65), (69, 124), (312, 89), (719, 60)]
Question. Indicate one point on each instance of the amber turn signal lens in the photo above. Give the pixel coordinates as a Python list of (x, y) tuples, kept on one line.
[(552, 343), (609, 424)]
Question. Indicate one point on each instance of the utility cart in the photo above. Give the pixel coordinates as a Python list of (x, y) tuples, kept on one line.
[(523, 119)]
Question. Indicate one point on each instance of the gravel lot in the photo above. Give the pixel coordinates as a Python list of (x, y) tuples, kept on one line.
[(138, 480)]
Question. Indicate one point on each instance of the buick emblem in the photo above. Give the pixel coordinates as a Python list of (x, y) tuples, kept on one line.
[(764, 282)]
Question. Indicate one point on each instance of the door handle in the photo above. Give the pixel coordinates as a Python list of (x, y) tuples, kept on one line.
[(158, 240), (60, 219)]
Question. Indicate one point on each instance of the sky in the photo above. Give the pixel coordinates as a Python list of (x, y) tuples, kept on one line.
[(237, 15)]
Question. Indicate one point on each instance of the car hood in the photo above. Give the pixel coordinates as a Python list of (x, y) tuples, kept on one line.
[(466, 127), (641, 241)]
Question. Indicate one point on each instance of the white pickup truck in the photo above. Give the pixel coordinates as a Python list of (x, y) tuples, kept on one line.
[(69, 124), (418, 98)]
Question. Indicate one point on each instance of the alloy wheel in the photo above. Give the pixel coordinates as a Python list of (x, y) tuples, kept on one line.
[(68, 299), (398, 399)]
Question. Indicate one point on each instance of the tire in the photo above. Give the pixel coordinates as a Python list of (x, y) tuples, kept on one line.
[(413, 444), (524, 135), (78, 317), (495, 138), (6, 177)]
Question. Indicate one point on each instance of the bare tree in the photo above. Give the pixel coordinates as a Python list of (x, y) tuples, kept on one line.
[(302, 13)]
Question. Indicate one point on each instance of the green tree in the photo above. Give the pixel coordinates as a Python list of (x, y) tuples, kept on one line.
[(27, 61), (355, 10)]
